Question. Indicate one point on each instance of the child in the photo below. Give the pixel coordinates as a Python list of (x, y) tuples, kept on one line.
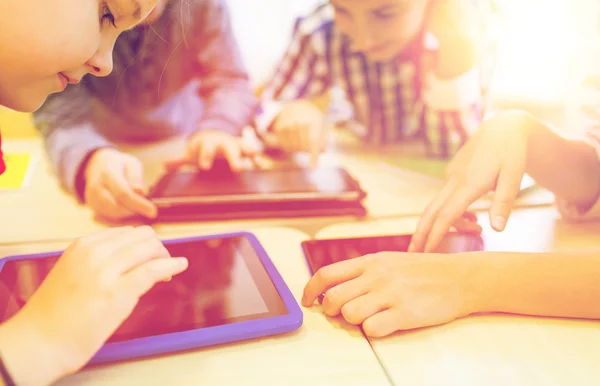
[(97, 282), (387, 292), (178, 73), (411, 70)]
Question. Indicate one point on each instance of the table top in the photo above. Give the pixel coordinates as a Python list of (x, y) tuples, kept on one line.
[(321, 352), (42, 211), (495, 349)]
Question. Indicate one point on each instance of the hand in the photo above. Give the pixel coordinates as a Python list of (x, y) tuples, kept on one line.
[(456, 26), (205, 146), (91, 290), (114, 186), (300, 127), (494, 159), (392, 291), (449, 19)]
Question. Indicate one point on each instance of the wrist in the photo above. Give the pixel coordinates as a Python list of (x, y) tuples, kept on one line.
[(81, 175), (474, 287), (450, 65), (23, 348)]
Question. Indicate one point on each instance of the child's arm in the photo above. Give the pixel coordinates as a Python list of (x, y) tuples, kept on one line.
[(568, 168), (544, 284), (505, 147), (65, 121), (229, 100), (457, 70), (388, 291), (295, 101), (108, 181)]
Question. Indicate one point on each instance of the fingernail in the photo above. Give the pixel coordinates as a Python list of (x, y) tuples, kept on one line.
[(499, 222)]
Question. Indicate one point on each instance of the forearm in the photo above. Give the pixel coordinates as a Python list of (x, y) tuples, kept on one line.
[(229, 108), (23, 350), (68, 148), (456, 56), (541, 284), (568, 168)]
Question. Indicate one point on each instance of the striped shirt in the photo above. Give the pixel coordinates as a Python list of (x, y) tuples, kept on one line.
[(392, 101), (180, 74)]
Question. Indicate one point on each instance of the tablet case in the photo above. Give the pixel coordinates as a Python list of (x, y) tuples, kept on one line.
[(207, 336), (182, 212)]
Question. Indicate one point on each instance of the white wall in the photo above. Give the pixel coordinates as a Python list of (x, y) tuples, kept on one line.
[(264, 28)]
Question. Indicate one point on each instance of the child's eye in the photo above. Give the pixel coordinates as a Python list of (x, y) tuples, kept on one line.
[(107, 16), (385, 16)]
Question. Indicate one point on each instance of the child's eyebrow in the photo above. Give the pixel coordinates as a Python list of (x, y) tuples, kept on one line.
[(388, 7)]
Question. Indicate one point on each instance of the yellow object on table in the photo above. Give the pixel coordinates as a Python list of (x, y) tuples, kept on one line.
[(19, 167)]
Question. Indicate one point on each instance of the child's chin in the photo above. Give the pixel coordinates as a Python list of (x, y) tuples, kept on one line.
[(25, 103)]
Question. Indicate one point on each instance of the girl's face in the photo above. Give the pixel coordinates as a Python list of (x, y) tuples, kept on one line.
[(380, 28), (46, 44)]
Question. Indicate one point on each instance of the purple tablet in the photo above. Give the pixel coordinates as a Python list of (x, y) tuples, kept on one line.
[(230, 292)]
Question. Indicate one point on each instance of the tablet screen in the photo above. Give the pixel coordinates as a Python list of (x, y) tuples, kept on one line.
[(253, 182), (320, 253), (225, 283)]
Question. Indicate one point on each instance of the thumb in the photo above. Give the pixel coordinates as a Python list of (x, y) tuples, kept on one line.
[(134, 174)]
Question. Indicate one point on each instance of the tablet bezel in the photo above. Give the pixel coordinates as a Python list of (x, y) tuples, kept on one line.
[(159, 199), (205, 336), (305, 244)]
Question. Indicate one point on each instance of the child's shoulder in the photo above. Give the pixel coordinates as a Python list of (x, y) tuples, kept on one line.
[(315, 22)]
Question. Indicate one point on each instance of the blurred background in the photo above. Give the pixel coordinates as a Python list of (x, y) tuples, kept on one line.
[(546, 49)]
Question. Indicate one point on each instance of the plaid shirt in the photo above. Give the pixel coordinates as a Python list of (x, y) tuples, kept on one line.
[(391, 101)]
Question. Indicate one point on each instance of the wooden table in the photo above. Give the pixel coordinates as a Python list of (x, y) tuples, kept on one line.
[(496, 349), (473, 351), (44, 212)]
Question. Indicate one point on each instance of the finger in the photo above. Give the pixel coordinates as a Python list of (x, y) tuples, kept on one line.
[(507, 190), (122, 191), (107, 234), (315, 145), (104, 203), (330, 276), (383, 323), (248, 149), (206, 154), (470, 216), (233, 154), (336, 297), (456, 205), (427, 219), (141, 279), (134, 173), (135, 249), (109, 251), (464, 225), (286, 140), (175, 164), (358, 310)]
